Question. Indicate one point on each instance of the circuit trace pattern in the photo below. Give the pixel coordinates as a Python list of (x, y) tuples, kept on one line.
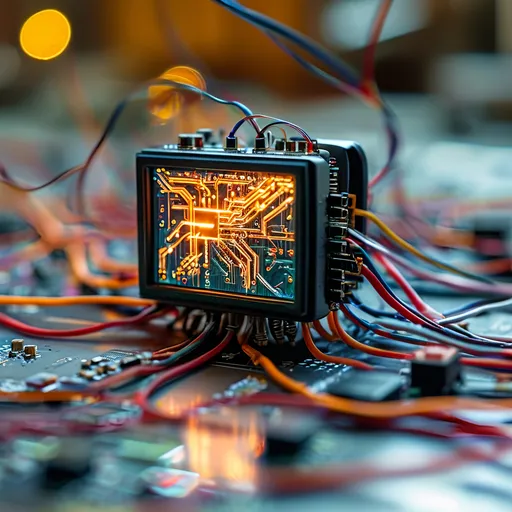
[(226, 231)]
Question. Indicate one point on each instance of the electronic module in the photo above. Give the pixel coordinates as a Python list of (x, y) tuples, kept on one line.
[(259, 231)]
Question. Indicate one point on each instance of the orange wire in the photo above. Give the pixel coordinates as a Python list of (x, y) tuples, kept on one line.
[(318, 354), (335, 325), (319, 328), (105, 300), (385, 410)]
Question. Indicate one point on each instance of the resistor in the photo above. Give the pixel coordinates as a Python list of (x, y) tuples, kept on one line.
[(290, 329), (276, 328)]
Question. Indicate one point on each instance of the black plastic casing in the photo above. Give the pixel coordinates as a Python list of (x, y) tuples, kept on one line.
[(351, 160), (311, 173)]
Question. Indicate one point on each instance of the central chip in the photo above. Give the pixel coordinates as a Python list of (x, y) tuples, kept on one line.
[(226, 231)]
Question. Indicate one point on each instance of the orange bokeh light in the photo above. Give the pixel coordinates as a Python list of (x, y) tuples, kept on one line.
[(45, 35), (165, 101)]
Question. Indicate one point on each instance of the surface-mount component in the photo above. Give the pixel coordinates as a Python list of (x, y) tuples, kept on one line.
[(435, 371), (375, 386), (41, 380), (30, 351), (17, 345)]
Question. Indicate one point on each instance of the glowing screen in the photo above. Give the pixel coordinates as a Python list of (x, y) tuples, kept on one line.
[(225, 231)]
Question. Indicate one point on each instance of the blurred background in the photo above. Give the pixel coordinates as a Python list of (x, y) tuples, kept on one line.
[(443, 65)]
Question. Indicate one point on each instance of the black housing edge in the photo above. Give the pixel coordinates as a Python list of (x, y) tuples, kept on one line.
[(352, 154), (312, 188)]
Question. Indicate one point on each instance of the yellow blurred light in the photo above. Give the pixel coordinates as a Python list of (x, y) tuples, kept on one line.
[(165, 101), (45, 35)]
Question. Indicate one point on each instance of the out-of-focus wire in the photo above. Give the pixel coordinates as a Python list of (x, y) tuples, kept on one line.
[(410, 248), (456, 334), (348, 82), (97, 300), (110, 125), (479, 310), (293, 36), (499, 350), (494, 288), (142, 397), (15, 325), (385, 410), (368, 73), (409, 291)]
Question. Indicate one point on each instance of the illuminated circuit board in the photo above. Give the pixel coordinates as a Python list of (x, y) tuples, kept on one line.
[(226, 231)]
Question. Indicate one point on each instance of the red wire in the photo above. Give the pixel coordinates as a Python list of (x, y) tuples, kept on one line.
[(390, 300), (487, 362), (411, 293), (280, 480), (41, 332), (368, 75), (142, 397)]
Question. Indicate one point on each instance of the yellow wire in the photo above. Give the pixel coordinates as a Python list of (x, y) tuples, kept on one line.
[(386, 410), (19, 300), (404, 244)]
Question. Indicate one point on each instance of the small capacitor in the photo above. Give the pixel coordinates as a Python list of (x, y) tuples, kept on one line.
[(280, 145), (130, 361), (102, 368), (190, 141), (112, 367), (87, 374), (297, 146), (16, 345), (30, 351)]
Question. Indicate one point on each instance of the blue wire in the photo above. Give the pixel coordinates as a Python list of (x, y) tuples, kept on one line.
[(354, 318), (372, 311), (113, 119), (314, 49), (467, 337), (471, 305), (272, 27)]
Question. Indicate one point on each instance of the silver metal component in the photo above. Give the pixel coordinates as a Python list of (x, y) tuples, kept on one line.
[(290, 328), (276, 328)]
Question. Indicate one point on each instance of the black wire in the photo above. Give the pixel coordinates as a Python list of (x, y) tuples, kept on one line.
[(111, 123)]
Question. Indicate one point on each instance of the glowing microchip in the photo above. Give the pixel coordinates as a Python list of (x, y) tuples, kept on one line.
[(238, 241)]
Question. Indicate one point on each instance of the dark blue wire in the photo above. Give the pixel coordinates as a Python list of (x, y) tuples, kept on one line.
[(471, 305), (295, 37), (354, 318), (467, 337), (379, 313)]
